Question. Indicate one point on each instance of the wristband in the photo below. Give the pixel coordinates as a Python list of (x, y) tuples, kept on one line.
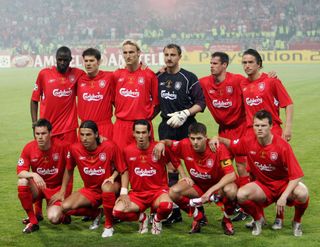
[(123, 191)]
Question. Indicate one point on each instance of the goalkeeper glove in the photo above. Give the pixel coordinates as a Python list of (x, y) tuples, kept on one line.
[(178, 118)]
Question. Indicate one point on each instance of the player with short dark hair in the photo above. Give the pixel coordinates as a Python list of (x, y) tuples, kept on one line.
[(148, 182), (96, 93), (136, 95), (210, 174), (55, 89), (276, 171), (223, 96), (261, 92), (47, 160), (99, 165), (181, 98)]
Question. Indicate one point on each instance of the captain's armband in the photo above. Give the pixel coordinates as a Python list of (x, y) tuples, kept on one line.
[(225, 163)]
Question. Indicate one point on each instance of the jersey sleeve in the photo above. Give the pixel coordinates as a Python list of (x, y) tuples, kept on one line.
[(24, 161), (154, 89), (71, 163), (119, 160), (281, 93), (176, 148), (225, 159), (237, 147), (294, 169), (196, 93), (172, 158), (37, 90)]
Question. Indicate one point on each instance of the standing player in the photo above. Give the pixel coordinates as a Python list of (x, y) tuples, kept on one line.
[(99, 164), (148, 180), (95, 93), (223, 96), (47, 160), (276, 170), (261, 92), (181, 98), (55, 88), (210, 174), (136, 95)]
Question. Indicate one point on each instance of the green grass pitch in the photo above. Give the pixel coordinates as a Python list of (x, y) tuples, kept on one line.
[(303, 84)]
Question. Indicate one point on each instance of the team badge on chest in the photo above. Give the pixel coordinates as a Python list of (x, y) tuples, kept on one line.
[(102, 83), (102, 156), (273, 156), (177, 85), (261, 86), (141, 80), (209, 163), (55, 157), (72, 78), (229, 89)]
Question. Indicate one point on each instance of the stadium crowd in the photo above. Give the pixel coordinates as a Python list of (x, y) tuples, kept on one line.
[(111, 155), (39, 27)]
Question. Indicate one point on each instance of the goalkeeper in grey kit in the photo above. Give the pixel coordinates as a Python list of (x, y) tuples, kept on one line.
[(181, 98)]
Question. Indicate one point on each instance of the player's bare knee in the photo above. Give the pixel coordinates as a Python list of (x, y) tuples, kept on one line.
[(66, 206), (174, 192), (119, 206), (54, 217), (230, 191), (242, 195), (23, 182), (107, 187), (301, 193)]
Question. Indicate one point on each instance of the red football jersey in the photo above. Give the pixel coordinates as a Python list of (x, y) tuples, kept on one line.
[(269, 163), (136, 94), (264, 93), (95, 96), (57, 95), (224, 100), (49, 164), (205, 168), (95, 166), (146, 173)]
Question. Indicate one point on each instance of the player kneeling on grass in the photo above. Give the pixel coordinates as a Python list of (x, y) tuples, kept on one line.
[(47, 160), (148, 180), (99, 165), (276, 171), (210, 173)]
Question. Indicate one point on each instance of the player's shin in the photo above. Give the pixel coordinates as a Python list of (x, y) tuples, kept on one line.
[(108, 201), (25, 196)]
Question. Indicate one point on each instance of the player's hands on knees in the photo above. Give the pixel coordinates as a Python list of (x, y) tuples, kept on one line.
[(178, 118), (41, 184), (281, 203), (159, 150), (214, 143), (108, 180), (59, 196), (124, 199), (188, 180)]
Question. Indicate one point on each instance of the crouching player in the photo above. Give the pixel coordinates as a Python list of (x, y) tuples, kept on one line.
[(210, 173), (47, 160), (99, 165), (276, 171), (148, 180)]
